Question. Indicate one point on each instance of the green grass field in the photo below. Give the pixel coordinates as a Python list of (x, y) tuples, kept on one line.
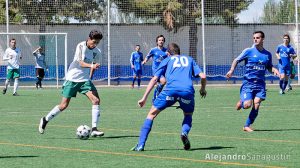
[(215, 137)]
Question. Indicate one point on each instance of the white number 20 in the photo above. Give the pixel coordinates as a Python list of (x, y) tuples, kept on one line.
[(182, 61)]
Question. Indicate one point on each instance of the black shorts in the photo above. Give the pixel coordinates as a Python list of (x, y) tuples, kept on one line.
[(40, 72)]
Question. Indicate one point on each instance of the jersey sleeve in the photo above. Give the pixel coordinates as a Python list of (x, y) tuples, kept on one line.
[(5, 56), (196, 69), (150, 54), (278, 49), (142, 57), (131, 59), (243, 55), (269, 63), (161, 70), (79, 53)]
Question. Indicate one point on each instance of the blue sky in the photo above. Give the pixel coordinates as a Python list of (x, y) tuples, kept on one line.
[(255, 10)]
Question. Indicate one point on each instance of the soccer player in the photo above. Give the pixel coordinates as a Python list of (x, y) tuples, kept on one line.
[(12, 55), (178, 70), (158, 54), (253, 90), (136, 60), (40, 66), (284, 53), (78, 80)]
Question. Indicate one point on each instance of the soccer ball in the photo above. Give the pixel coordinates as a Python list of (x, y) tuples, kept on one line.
[(83, 132)]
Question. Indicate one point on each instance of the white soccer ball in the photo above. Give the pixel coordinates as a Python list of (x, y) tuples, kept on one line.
[(83, 132)]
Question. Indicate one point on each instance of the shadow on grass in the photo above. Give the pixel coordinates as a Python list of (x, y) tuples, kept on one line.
[(195, 149), (8, 157), (266, 130)]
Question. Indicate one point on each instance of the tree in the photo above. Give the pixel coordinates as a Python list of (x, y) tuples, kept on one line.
[(14, 15), (174, 14), (279, 12)]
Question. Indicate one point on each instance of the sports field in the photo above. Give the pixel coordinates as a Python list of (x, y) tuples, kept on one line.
[(216, 136)]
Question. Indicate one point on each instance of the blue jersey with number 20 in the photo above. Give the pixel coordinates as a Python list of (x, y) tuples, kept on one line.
[(178, 71)]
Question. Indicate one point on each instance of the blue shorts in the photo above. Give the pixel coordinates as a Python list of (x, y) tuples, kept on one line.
[(137, 72), (285, 70), (168, 98), (249, 91)]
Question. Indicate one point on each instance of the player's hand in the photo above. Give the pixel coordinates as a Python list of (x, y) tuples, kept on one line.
[(96, 66), (202, 93), (141, 102), (144, 62), (132, 66), (276, 72), (229, 74)]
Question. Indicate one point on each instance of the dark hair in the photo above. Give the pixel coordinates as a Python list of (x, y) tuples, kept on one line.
[(12, 39), (159, 36), (95, 34), (173, 49), (137, 45), (286, 35), (261, 32)]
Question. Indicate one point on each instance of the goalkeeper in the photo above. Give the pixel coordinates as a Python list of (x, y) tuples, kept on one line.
[(40, 66)]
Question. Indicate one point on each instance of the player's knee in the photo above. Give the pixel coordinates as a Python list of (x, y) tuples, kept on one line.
[(247, 105), (63, 106), (96, 101)]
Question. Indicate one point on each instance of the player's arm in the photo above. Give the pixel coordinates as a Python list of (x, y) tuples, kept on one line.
[(6, 57), (232, 68), (36, 50), (150, 86), (277, 56), (131, 61), (147, 57), (202, 90)]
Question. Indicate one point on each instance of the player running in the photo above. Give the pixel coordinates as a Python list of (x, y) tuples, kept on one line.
[(178, 70), (158, 54), (253, 90), (284, 53)]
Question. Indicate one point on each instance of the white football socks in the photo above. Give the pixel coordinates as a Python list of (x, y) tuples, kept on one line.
[(54, 112), (6, 83), (16, 85), (95, 115)]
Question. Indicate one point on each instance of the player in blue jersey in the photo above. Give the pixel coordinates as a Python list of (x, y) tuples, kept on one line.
[(284, 53), (178, 70), (136, 60), (253, 90), (158, 54)]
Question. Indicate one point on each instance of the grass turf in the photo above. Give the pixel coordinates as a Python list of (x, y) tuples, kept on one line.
[(215, 137)]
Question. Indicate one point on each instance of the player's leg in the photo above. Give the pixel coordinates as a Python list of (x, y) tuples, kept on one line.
[(41, 75), (9, 76), (146, 128), (159, 87), (37, 78), (134, 78), (54, 112), (187, 104), (281, 80), (286, 78), (253, 114), (139, 75), (159, 105), (246, 98), (69, 90), (16, 76), (94, 98), (90, 91)]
